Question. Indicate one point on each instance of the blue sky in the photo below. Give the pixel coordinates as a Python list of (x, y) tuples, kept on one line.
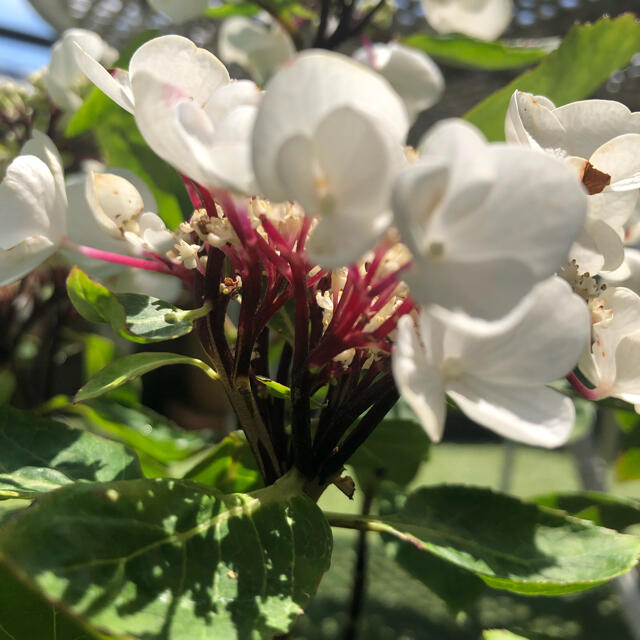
[(20, 58)]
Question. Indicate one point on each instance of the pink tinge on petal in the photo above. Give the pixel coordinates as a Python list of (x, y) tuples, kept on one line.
[(171, 94)]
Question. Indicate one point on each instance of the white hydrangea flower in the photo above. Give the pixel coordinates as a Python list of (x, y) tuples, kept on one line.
[(118, 209), (600, 139), (483, 19), (63, 78), (484, 222), (187, 108), (412, 73), (180, 10), (33, 208), (329, 135), (610, 363), (497, 378), (259, 44)]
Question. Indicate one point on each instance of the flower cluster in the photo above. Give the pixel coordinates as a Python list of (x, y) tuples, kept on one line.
[(483, 272)]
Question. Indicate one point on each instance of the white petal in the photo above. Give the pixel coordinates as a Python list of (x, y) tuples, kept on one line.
[(296, 171), (412, 73), (532, 220), (23, 257), (487, 289), (27, 198), (114, 202), (598, 248), (336, 242), (176, 61), (620, 158), (41, 146), (536, 416), (628, 368), (116, 86), (542, 345), (531, 121), (304, 92), (472, 170), (628, 274), (599, 363), (154, 233), (484, 259), (591, 123), (63, 77), (227, 98), (613, 207), (260, 46), (157, 119), (484, 19), (220, 155), (356, 160), (419, 382), (84, 230), (417, 191)]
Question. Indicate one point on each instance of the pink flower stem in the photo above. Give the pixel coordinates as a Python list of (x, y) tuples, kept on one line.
[(194, 196), (128, 261), (582, 389)]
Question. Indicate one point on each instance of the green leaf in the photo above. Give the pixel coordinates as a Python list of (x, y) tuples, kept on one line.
[(458, 588), (230, 466), (8, 508), (7, 385), (500, 634), (628, 420), (284, 7), (584, 60), (131, 367), (468, 52), (281, 391), (231, 9), (95, 108), (628, 465), (38, 455), (171, 559), (24, 615), (98, 353), (394, 451), (603, 509), (136, 317), (507, 543), (147, 432)]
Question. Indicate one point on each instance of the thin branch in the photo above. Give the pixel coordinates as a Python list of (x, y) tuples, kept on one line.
[(318, 41)]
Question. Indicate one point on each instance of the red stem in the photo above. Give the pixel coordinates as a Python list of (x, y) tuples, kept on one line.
[(129, 261), (583, 390)]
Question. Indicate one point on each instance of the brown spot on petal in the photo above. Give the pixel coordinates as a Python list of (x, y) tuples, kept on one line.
[(595, 181)]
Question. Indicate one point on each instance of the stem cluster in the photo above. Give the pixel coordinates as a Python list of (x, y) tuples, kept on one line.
[(276, 278)]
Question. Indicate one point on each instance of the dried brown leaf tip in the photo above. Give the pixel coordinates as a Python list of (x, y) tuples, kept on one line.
[(595, 181)]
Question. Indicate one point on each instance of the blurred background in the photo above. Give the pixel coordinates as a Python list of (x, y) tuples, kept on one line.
[(399, 607), (29, 28)]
